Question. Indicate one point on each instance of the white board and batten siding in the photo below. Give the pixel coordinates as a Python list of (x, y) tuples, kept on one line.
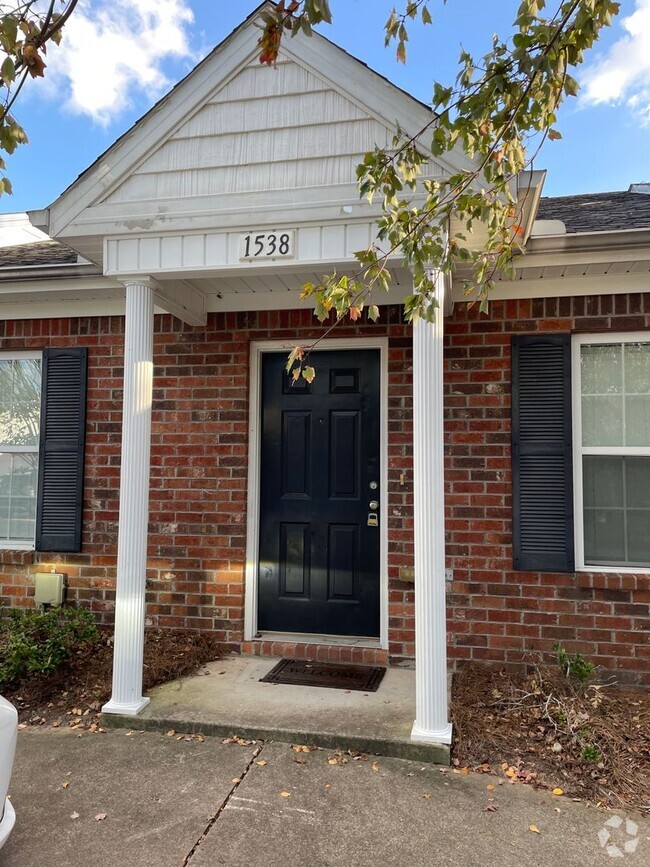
[(210, 252)]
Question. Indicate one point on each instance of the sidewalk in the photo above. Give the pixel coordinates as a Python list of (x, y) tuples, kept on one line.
[(145, 799), (231, 700)]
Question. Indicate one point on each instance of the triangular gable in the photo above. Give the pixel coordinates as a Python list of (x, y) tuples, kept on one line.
[(235, 135), (265, 129)]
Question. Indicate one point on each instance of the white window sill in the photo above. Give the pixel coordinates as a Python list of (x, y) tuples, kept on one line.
[(615, 570)]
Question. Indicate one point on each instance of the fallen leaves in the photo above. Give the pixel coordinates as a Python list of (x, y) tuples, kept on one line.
[(74, 815), (235, 739), (374, 766), (285, 794), (337, 759), (100, 817), (261, 762), (534, 829), (558, 791)]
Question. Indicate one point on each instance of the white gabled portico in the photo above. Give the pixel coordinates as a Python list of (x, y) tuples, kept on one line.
[(239, 151)]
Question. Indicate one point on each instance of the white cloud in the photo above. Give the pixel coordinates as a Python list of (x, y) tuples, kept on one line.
[(622, 75), (113, 50)]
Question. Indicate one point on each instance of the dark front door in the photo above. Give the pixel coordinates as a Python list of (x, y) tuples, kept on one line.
[(319, 533)]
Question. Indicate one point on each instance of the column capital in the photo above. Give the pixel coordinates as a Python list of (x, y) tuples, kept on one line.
[(139, 280)]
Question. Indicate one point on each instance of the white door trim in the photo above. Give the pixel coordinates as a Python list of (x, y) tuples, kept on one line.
[(257, 350)]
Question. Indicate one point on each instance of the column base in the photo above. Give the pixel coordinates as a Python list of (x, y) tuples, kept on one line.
[(435, 736), (132, 709)]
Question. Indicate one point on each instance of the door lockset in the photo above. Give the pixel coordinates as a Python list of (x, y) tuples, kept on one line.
[(373, 505)]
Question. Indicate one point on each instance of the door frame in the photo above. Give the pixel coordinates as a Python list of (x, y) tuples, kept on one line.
[(257, 349)]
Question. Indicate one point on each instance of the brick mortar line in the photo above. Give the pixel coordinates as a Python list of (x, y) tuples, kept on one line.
[(185, 862)]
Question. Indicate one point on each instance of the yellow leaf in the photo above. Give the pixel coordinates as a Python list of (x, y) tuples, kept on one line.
[(171, 733), (332, 761), (490, 788), (375, 766), (558, 791), (534, 829), (426, 797), (236, 780), (285, 794), (261, 763)]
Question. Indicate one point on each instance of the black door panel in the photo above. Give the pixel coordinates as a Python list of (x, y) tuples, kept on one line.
[(319, 553)]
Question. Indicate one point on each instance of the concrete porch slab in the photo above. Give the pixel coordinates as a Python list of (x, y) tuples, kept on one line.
[(231, 700)]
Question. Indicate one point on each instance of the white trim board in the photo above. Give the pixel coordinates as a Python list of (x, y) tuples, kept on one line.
[(257, 350)]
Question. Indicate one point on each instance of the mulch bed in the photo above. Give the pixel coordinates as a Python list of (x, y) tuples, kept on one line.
[(591, 741), (74, 694)]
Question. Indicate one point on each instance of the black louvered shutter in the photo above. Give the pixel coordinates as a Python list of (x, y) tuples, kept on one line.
[(542, 479), (61, 450)]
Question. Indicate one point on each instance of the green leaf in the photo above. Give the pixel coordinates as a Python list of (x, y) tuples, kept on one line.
[(8, 71)]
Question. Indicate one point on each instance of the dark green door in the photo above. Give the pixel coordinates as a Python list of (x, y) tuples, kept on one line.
[(320, 483)]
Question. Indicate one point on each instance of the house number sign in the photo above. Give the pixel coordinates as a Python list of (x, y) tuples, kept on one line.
[(254, 246)]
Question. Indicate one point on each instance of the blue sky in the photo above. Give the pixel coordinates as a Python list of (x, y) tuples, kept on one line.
[(119, 56)]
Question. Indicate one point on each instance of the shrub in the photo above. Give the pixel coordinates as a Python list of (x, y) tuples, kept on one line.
[(573, 666), (34, 641)]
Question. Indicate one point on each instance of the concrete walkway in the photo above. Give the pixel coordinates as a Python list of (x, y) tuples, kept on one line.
[(150, 800), (229, 699)]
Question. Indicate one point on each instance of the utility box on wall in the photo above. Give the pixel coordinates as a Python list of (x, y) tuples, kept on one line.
[(49, 588)]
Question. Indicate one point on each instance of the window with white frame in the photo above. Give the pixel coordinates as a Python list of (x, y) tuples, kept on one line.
[(612, 450), (20, 407)]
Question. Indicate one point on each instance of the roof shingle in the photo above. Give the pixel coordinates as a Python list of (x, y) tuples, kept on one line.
[(598, 212), (38, 253)]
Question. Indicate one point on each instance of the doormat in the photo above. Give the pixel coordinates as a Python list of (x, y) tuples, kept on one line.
[(302, 672)]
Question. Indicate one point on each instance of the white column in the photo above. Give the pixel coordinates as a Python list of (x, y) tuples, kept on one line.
[(431, 713), (134, 502)]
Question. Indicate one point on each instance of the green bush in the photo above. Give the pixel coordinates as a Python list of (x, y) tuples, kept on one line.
[(573, 666), (34, 641)]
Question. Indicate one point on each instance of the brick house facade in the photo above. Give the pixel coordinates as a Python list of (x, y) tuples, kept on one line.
[(469, 489), (197, 520)]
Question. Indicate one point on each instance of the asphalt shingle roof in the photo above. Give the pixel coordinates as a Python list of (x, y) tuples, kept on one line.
[(598, 212), (38, 253)]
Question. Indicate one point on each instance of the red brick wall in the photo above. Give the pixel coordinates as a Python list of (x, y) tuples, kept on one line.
[(496, 614), (197, 520), (199, 478)]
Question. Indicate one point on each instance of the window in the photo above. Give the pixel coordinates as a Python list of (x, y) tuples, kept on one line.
[(612, 450), (20, 408)]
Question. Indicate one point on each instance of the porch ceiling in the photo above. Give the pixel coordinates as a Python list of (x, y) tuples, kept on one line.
[(279, 290)]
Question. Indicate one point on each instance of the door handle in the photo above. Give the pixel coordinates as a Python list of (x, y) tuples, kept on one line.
[(373, 505)]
